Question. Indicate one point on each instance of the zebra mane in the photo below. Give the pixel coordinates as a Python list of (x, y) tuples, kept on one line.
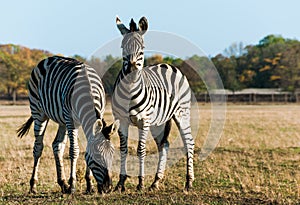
[(97, 112), (69, 60), (132, 26)]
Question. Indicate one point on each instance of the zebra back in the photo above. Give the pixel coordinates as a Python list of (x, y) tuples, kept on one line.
[(67, 91)]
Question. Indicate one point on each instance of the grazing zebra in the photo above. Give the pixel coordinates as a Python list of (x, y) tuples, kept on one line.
[(148, 98), (70, 93)]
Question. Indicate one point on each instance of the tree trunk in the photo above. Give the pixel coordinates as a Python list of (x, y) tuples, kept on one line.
[(285, 98), (14, 95)]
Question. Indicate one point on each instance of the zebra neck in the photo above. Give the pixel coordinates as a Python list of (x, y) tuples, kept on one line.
[(84, 110), (88, 100), (132, 79)]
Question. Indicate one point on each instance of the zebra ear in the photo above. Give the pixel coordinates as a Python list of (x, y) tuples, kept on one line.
[(122, 28), (111, 129), (98, 125), (115, 127), (143, 25)]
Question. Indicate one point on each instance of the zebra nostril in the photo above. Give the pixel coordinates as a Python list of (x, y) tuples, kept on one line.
[(133, 65)]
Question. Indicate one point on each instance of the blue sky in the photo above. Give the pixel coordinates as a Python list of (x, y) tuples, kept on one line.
[(80, 27)]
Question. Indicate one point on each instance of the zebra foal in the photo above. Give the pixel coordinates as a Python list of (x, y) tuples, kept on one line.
[(70, 93), (148, 98)]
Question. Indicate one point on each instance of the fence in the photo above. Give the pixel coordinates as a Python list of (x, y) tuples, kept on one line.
[(246, 95), (250, 96)]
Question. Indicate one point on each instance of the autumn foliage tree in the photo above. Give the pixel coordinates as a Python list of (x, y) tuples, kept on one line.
[(16, 63), (273, 63)]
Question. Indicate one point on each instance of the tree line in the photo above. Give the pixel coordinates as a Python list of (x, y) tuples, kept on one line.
[(273, 63)]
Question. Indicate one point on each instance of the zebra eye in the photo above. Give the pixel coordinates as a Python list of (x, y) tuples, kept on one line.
[(141, 53)]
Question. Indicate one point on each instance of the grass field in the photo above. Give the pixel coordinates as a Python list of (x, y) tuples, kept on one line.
[(257, 161)]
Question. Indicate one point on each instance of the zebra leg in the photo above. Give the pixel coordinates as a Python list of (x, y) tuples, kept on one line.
[(58, 147), (74, 154), (182, 120), (141, 152), (123, 134), (39, 131), (160, 135), (88, 178)]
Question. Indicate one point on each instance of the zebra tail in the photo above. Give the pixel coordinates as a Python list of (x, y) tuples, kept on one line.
[(24, 129)]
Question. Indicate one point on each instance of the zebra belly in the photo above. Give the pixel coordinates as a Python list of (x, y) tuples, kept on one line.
[(54, 110), (56, 117)]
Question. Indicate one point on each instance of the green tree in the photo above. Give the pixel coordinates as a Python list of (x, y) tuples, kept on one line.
[(288, 72), (78, 57), (108, 69), (198, 69), (227, 69), (271, 40)]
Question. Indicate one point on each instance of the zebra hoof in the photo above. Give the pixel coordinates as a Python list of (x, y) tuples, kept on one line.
[(154, 186), (100, 190), (90, 190), (119, 188), (89, 187), (104, 188), (70, 190), (33, 186), (140, 187), (72, 186), (32, 190), (188, 186), (64, 187)]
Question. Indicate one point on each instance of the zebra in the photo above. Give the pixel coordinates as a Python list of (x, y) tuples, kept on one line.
[(148, 98), (70, 93)]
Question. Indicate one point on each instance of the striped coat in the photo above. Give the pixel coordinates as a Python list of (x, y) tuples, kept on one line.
[(70, 93), (148, 98)]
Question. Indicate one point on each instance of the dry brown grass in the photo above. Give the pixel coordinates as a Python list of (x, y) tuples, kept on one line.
[(256, 162)]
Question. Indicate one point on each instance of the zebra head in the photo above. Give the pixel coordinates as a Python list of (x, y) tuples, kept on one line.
[(99, 153), (133, 44)]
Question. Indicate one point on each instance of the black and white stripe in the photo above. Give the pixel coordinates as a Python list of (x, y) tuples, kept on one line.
[(148, 98), (70, 93)]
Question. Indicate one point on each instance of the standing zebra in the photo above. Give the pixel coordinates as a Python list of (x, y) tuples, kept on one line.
[(70, 93), (148, 98)]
